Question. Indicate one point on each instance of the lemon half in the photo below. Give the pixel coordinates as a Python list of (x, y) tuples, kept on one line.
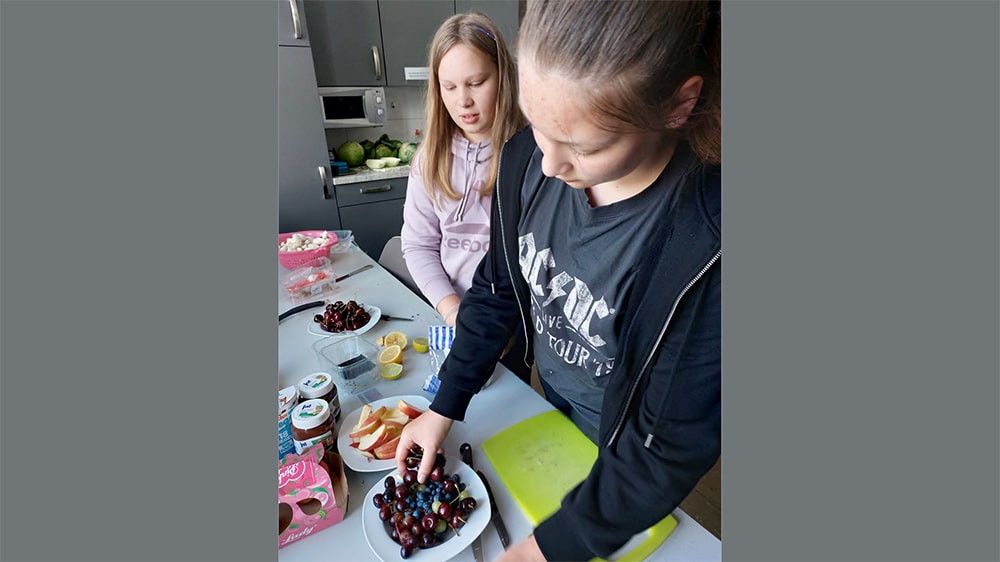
[(392, 371), (391, 354), (421, 345), (395, 338)]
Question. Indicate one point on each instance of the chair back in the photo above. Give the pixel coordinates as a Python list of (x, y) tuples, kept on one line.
[(392, 260)]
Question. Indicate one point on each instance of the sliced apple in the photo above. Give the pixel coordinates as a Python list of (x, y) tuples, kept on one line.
[(368, 455), (377, 414), (387, 450), (410, 410), (366, 411), (396, 417), (373, 439), (367, 427), (385, 435)]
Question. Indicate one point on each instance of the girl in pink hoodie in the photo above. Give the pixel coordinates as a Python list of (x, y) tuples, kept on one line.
[(471, 111)]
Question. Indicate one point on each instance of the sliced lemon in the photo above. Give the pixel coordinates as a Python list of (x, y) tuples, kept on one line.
[(394, 338), (421, 345), (391, 354), (392, 371)]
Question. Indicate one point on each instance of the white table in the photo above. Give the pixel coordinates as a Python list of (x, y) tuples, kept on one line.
[(506, 401)]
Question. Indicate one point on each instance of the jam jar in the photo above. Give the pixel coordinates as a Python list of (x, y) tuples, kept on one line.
[(321, 386), (311, 424)]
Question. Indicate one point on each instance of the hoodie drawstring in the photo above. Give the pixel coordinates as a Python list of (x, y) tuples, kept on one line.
[(470, 177)]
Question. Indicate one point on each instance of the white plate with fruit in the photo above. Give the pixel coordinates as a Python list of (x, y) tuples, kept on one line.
[(368, 443), (342, 315), (446, 542)]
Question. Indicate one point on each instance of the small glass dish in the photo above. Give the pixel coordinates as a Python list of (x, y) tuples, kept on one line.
[(351, 360)]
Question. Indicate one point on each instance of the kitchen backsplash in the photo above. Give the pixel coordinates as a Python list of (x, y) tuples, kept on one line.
[(405, 117)]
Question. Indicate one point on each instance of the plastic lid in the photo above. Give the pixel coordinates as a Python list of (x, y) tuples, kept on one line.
[(287, 397), (310, 414), (315, 385)]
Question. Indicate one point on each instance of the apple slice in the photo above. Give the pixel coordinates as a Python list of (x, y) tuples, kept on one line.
[(373, 439), (386, 434), (377, 414), (387, 450), (366, 411), (396, 417), (408, 409), (368, 455), (365, 429)]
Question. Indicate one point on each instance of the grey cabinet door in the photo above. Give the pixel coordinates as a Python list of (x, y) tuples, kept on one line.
[(505, 13), (292, 23), (407, 29), (304, 202), (377, 217), (346, 41)]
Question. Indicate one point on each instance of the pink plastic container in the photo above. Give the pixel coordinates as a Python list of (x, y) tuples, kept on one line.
[(292, 260)]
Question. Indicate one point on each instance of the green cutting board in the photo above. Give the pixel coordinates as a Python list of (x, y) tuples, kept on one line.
[(542, 458)]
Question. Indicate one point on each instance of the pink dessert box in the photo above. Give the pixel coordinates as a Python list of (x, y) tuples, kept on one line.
[(310, 498)]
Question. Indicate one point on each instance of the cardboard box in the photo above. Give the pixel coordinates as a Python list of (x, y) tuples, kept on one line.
[(311, 497)]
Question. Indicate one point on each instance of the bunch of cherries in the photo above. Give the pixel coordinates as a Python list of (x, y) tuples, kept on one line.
[(341, 316), (423, 515)]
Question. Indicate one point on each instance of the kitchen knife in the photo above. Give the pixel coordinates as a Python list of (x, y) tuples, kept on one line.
[(387, 317), (355, 272), (497, 519), (300, 308), (477, 544)]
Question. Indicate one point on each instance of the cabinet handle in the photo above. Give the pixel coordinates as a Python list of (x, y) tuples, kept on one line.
[(378, 63), (322, 176), (295, 19), (379, 189)]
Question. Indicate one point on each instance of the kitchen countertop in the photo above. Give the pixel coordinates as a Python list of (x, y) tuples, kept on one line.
[(363, 174), (503, 402)]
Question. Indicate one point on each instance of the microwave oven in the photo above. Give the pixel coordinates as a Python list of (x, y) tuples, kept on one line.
[(352, 107)]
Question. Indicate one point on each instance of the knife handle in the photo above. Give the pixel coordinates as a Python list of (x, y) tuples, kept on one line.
[(466, 452), (300, 308)]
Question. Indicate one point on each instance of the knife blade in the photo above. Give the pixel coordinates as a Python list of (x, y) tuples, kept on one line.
[(497, 519), (387, 317), (477, 543), (300, 308), (355, 272)]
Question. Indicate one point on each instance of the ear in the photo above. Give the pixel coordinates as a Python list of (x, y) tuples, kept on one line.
[(686, 97)]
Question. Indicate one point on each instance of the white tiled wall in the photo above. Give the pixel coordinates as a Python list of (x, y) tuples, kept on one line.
[(405, 117)]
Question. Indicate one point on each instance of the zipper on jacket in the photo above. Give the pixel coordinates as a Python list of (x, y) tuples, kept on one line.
[(506, 259), (635, 384)]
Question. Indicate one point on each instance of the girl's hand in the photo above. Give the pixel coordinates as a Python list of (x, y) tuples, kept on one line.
[(524, 551), (427, 430)]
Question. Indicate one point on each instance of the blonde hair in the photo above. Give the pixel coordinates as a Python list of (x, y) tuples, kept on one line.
[(476, 31), (631, 57)]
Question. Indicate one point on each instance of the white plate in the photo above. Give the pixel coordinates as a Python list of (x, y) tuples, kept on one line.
[(388, 551), (374, 311), (355, 460)]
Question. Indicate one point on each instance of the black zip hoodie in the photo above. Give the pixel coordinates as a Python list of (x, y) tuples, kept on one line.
[(660, 419)]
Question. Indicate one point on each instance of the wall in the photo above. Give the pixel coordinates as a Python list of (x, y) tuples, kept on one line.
[(406, 115)]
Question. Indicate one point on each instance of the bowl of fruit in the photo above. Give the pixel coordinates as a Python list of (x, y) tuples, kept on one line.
[(429, 522), (296, 249)]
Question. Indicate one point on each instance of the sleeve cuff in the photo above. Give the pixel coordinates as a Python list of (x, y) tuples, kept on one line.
[(451, 401), (558, 541)]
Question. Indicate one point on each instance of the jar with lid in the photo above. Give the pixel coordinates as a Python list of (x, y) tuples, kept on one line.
[(311, 424), (321, 386)]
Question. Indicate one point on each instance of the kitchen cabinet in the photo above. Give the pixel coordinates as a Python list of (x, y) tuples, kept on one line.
[(407, 29), (306, 199), (373, 210), (291, 23), (506, 14), (369, 42)]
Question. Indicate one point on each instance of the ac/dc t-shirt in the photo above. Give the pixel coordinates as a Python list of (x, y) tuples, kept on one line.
[(580, 264)]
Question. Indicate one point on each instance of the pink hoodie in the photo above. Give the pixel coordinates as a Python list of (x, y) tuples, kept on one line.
[(442, 247)]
